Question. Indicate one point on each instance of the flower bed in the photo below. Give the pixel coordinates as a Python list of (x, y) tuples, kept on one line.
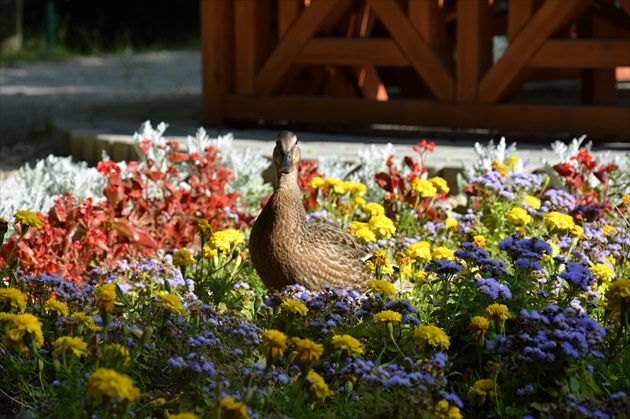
[(142, 302)]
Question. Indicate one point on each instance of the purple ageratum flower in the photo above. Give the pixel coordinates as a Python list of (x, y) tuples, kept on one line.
[(557, 200), (578, 275), (493, 289), (444, 267)]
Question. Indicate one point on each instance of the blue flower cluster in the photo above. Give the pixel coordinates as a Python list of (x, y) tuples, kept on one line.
[(374, 304), (578, 275), (475, 256), (557, 200), (67, 291), (493, 289), (194, 365), (525, 253), (444, 267), (617, 406)]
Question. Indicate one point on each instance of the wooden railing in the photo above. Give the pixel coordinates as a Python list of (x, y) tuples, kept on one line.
[(426, 63)]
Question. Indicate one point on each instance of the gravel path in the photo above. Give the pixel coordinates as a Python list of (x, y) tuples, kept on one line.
[(31, 94)]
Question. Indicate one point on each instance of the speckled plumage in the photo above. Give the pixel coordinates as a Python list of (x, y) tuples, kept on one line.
[(285, 249)]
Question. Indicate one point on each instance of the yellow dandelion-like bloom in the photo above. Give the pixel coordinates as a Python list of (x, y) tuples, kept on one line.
[(207, 252), (424, 188), (577, 232), (382, 287), (295, 307), (115, 352), (443, 410), (431, 335), (365, 235), (24, 328), (183, 258), (316, 182), (498, 312), (388, 316), (421, 277), (555, 251), (442, 253), (440, 184), (512, 161), (7, 317), (110, 384), (359, 201), (602, 272), (274, 342), (479, 327), (479, 241), (357, 225), (374, 209), (618, 293), (219, 242), (356, 188), (170, 303), (382, 226), (341, 188), (308, 352), (626, 200), (608, 230), (558, 223), (499, 167), (451, 224), (420, 251), (12, 298), (518, 216), (233, 236), (59, 307), (532, 202), (317, 387), (380, 260), (483, 391), (407, 271), (230, 408), (70, 345), (349, 344), (105, 297), (86, 321), (369, 266), (27, 218), (190, 415)]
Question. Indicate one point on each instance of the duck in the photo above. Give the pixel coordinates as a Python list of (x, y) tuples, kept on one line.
[(285, 249)]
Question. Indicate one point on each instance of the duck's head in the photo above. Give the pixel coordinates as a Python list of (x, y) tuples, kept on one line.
[(286, 154)]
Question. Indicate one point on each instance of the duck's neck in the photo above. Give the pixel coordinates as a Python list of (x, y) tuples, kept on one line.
[(288, 202), (287, 183)]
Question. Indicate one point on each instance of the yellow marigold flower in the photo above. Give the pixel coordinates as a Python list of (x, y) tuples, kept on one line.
[(12, 298), (357, 225), (341, 188), (374, 209), (183, 258), (424, 188), (70, 344), (518, 216), (555, 251), (27, 218), (308, 352), (608, 229), (498, 312), (558, 223), (618, 293), (483, 391), (57, 306), (451, 224), (388, 316), (110, 384), (274, 342), (512, 161), (349, 344), (7, 317), (365, 235), (420, 251), (577, 232), (442, 253), (626, 200), (382, 226), (316, 182), (532, 202), (105, 297), (479, 327), (170, 303), (421, 277), (233, 236), (357, 188), (207, 252), (204, 228), (602, 272), (116, 352), (193, 416), (382, 287), (318, 389), (219, 243), (479, 241), (440, 184), (443, 410), (407, 271), (380, 260), (499, 167), (230, 408), (295, 307), (25, 327), (431, 335), (359, 201), (85, 320)]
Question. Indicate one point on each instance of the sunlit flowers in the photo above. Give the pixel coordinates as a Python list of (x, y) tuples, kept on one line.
[(479, 327), (388, 316), (382, 287), (349, 344), (381, 262), (450, 224), (274, 343), (443, 410), (532, 202), (424, 188), (558, 223), (12, 299), (442, 253), (317, 387), (308, 352), (295, 307), (222, 241), (432, 336), (365, 235), (420, 251), (84, 320), (171, 303), (374, 209), (105, 297), (70, 345), (440, 184), (500, 167), (230, 408), (483, 391), (316, 182), (106, 383), (518, 216), (27, 219), (24, 331), (602, 272), (58, 307), (499, 313), (183, 258), (382, 226)]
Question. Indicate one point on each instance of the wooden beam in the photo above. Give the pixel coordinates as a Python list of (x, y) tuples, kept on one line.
[(288, 11), (474, 46), (519, 13), (572, 120), (245, 45), (582, 54), (415, 48), (309, 21), (625, 4), (429, 19), (510, 70), (352, 51)]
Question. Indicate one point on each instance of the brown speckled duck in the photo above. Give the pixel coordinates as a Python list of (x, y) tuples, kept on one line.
[(285, 249)]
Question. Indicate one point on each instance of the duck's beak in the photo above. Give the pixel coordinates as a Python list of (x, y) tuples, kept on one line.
[(286, 162)]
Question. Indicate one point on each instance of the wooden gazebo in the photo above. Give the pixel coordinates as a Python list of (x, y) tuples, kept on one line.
[(424, 63)]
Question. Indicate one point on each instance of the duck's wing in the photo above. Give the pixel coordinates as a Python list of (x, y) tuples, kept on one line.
[(327, 233)]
